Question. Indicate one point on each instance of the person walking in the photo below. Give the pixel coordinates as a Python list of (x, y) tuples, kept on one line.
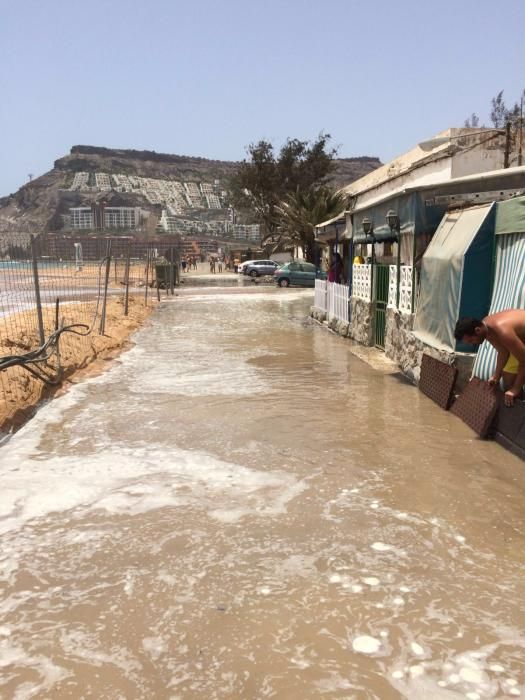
[(335, 273)]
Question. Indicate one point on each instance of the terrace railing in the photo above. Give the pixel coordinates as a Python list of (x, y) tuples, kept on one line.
[(362, 282), (405, 289), (320, 295), (332, 298), (338, 301)]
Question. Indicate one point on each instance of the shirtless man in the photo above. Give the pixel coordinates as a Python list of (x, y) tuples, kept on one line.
[(506, 332)]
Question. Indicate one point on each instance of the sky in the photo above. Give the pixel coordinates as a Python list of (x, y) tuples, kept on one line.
[(207, 78)]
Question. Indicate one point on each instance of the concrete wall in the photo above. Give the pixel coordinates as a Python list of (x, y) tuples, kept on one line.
[(479, 160), (427, 174)]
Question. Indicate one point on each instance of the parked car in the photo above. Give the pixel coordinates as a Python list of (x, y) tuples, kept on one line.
[(260, 267), (301, 274), (240, 266)]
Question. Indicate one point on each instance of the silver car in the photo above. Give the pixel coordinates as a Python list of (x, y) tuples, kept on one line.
[(257, 268)]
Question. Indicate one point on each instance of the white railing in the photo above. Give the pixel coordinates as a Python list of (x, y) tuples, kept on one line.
[(362, 281), (320, 296), (405, 289), (392, 287), (332, 298), (338, 300)]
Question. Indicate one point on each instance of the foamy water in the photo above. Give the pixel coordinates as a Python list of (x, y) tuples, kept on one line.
[(238, 508)]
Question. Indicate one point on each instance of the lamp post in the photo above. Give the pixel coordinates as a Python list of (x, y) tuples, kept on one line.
[(520, 153), (392, 220), (368, 229)]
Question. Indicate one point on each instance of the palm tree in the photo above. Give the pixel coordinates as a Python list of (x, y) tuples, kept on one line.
[(299, 213)]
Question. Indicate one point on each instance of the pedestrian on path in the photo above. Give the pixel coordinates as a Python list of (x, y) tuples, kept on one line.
[(335, 273)]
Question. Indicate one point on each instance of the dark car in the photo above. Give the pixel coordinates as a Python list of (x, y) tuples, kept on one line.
[(260, 267), (301, 274)]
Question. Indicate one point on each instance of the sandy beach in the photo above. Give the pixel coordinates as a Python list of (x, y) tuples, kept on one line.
[(20, 392)]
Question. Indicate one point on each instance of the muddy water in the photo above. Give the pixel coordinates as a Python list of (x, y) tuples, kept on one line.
[(243, 509)]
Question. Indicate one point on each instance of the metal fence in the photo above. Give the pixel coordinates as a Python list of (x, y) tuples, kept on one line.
[(55, 297)]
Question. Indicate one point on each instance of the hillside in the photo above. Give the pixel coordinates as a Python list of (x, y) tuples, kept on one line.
[(132, 178)]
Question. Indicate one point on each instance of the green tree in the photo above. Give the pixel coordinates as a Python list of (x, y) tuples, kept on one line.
[(264, 180), (515, 115), (301, 211), (498, 112), (472, 121)]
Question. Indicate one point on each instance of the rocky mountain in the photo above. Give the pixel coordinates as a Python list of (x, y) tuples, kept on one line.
[(40, 205)]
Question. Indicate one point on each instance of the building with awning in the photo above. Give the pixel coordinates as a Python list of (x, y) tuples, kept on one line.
[(392, 216), (332, 230), (407, 186), (455, 277)]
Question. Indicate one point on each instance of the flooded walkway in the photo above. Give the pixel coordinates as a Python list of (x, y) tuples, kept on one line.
[(241, 508)]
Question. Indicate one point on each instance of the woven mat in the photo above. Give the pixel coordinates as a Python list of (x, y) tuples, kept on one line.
[(511, 422), (477, 406), (437, 380)]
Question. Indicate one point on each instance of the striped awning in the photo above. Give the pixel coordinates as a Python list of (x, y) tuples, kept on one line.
[(509, 292)]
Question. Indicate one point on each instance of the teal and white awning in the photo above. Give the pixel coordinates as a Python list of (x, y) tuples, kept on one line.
[(509, 278), (455, 275)]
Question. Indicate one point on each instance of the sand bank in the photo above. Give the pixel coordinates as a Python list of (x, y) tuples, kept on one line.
[(81, 356)]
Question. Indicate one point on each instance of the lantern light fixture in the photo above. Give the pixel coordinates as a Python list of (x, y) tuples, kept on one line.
[(392, 220), (368, 226)]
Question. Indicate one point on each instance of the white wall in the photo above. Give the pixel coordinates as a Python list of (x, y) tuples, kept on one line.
[(474, 155), (428, 174), (477, 161)]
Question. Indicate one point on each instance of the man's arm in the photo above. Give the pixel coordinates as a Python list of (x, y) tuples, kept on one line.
[(515, 346), (503, 356)]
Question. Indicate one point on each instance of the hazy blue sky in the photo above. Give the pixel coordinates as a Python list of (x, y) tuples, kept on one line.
[(207, 78)]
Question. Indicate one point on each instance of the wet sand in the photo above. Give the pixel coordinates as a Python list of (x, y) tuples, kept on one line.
[(20, 392)]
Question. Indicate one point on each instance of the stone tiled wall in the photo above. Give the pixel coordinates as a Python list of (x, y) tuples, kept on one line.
[(402, 346), (361, 321)]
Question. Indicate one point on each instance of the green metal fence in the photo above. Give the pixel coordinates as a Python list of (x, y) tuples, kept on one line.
[(382, 273)]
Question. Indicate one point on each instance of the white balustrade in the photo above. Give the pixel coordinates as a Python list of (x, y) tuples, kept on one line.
[(392, 287), (362, 282), (320, 296), (338, 301), (333, 298), (405, 289)]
